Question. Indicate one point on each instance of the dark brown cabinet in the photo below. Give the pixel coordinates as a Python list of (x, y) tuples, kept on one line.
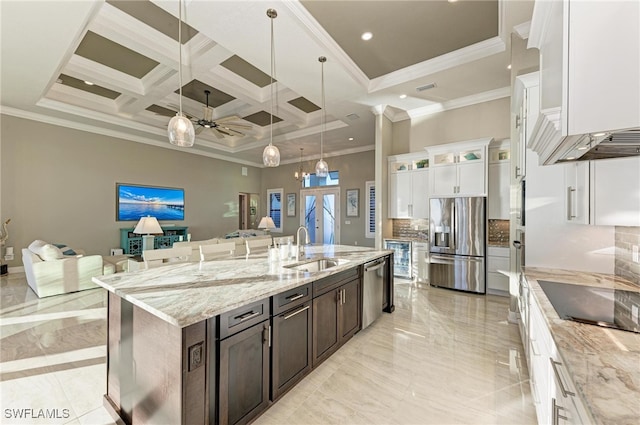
[(243, 359), (291, 348), (336, 312)]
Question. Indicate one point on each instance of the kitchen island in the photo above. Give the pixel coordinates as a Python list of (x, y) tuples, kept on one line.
[(217, 342), (583, 372)]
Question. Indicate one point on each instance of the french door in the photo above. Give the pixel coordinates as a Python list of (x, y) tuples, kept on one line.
[(320, 214)]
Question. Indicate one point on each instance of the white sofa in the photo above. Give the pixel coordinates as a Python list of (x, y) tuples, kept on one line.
[(48, 274)]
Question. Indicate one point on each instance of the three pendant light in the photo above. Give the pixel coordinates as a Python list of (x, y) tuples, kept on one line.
[(182, 133)]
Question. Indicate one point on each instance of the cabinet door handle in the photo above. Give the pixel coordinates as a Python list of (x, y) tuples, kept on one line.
[(344, 296), (288, 316), (294, 297), (340, 297), (554, 365), (518, 172), (555, 413), (570, 190), (247, 316), (266, 335), (517, 121), (534, 348)]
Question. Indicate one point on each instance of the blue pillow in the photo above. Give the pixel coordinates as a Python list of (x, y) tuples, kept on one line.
[(65, 249)]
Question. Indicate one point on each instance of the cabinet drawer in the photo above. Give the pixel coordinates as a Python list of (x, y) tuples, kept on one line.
[(291, 298), (242, 318), (328, 283), (497, 263)]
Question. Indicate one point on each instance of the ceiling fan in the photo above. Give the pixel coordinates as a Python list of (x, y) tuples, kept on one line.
[(227, 126)]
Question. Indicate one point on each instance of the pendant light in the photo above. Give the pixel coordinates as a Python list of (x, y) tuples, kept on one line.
[(300, 174), (322, 169), (181, 131), (271, 154)]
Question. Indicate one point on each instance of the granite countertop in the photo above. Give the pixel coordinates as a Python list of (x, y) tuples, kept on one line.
[(187, 293), (603, 363)]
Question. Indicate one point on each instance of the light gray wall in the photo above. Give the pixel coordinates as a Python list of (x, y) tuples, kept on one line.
[(354, 169), (59, 185), (487, 119)]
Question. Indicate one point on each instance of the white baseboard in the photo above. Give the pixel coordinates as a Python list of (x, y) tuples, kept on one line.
[(19, 269)]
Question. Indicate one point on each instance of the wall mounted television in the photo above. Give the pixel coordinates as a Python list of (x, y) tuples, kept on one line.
[(135, 201)]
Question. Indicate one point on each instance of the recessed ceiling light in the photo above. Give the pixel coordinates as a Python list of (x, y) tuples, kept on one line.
[(403, 96), (89, 83), (452, 1), (598, 134), (366, 36), (570, 158), (350, 139), (582, 148), (509, 66)]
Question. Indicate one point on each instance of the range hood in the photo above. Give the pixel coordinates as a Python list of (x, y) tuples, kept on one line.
[(605, 145), (552, 147)]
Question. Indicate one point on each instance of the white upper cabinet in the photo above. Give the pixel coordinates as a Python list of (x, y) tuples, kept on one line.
[(409, 186), (526, 107), (499, 182), (459, 169), (589, 72), (577, 197), (616, 191), (605, 192)]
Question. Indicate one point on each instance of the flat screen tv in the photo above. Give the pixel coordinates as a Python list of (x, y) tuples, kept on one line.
[(135, 201)]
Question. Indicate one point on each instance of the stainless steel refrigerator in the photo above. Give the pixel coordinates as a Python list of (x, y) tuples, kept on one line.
[(457, 229)]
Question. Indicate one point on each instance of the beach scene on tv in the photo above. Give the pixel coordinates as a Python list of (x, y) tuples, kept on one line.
[(159, 202)]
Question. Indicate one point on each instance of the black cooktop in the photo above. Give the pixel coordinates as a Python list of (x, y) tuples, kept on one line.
[(606, 307)]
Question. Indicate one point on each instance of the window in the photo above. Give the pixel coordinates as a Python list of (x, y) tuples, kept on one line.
[(333, 179), (370, 189), (274, 208)]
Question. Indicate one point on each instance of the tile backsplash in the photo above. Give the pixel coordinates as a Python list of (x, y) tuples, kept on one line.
[(411, 229), (625, 239)]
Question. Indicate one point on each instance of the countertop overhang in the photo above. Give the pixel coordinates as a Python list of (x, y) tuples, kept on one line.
[(604, 363), (186, 293)]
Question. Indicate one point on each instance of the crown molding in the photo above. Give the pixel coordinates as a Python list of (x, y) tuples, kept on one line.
[(34, 116), (459, 57), (522, 30), (461, 102)]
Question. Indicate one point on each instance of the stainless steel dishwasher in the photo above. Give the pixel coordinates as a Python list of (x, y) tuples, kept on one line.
[(372, 291)]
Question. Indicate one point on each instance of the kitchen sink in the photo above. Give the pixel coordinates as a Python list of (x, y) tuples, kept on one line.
[(317, 265)]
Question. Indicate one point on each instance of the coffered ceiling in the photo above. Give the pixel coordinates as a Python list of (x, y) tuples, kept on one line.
[(111, 67)]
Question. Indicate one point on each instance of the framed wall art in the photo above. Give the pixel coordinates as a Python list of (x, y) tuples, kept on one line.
[(291, 204), (353, 203)]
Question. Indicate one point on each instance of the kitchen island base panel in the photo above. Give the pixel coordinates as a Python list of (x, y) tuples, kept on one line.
[(156, 372)]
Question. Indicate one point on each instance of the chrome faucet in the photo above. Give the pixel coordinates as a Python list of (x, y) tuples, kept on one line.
[(306, 239)]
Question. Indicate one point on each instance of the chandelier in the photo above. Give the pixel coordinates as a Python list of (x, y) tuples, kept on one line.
[(300, 174)]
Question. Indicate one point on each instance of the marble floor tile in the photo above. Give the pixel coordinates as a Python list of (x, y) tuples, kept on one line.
[(442, 357)]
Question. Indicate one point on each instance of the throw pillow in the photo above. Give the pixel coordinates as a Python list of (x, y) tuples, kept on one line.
[(46, 251), (65, 249)]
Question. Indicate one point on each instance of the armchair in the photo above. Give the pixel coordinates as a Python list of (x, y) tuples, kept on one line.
[(63, 275)]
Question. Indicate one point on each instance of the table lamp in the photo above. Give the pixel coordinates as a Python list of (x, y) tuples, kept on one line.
[(267, 224), (145, 227)]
